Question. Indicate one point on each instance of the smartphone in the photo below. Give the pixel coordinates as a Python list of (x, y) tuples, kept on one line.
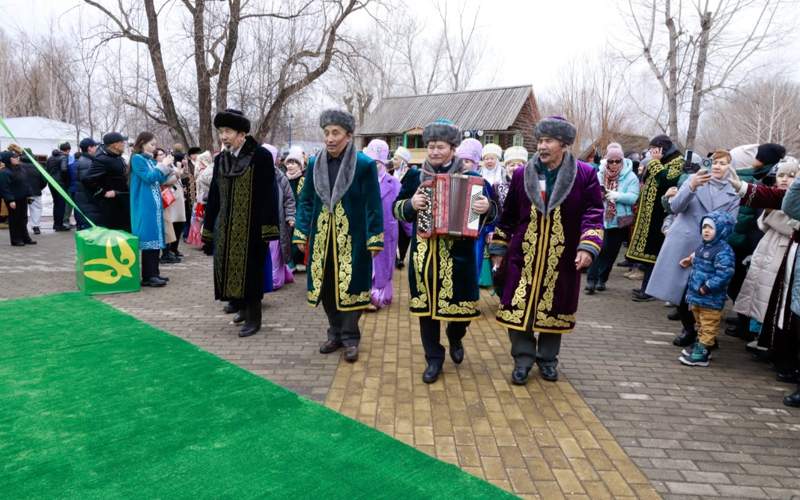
[(702, 171), (688, 157)]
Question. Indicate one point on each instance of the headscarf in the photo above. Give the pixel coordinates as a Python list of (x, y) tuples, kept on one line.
[(611, 176)]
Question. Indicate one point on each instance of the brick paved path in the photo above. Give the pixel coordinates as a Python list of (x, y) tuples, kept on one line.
[(623, 401)]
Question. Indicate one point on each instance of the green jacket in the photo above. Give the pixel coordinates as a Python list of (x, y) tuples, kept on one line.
[(745, 235)]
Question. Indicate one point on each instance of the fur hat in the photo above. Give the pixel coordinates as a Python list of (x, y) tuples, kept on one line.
[(205, 159), (441, 130), (614, 151), (337, 117), (492, 149), (556, 127), (470, 149), (661, 141), (233, 119), (788, 165), (403, 153), (296, 154), (378, 150), (770, 153), (515, 153), (194, 150), (5, 157), (15, 148)]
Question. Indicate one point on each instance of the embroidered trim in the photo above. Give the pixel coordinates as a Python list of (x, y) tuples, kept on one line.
[(238, 237), (375, 241), (420, 300), (554, 252), (299, 237), (343, 258), (269, 231), (443, 305), (649, 197), (513, 314), (318, 254)]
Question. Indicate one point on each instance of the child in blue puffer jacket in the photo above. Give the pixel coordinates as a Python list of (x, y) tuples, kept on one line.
[(713, 267)]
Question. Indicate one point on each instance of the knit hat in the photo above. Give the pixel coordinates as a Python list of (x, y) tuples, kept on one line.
[(337, 117), (378, 150), (556, 127), (743, 156), (441, 130), (661, 141), (708, 221), (614, 152), (516, 153), (273, 151), (492, 149), (296, 154), (470, 149), (770, 153), (87, 143), (205, 159), (233, 119), (403, 153), (113, 138), (788, 165)]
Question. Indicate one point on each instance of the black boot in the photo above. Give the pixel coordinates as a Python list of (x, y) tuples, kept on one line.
[(685, 338), (793, 399), (231, 307), (252, 322)]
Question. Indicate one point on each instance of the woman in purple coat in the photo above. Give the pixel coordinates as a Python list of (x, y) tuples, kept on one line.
[(383, 263)]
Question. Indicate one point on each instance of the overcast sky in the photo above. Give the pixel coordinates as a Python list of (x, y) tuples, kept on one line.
[(527, 41)]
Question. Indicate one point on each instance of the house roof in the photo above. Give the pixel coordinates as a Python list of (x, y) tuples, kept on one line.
[(38, 127), (487, 109)]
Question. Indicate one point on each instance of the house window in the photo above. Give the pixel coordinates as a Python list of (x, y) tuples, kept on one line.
[(518, 139), (396, 142), (487, 138)]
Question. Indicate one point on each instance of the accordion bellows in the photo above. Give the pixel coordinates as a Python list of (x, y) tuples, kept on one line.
[(450, 211)]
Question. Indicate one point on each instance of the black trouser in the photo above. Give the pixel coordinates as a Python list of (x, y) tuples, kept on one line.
[(59, 208), (430, 331), (686, 314), (178, 227), (150, 264), (648, 271), (525, 352), (342, 325), (18, 221), (403, 243), (739, 271), (604, 263)]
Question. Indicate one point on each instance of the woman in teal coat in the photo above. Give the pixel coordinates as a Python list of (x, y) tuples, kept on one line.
[(146, 205)]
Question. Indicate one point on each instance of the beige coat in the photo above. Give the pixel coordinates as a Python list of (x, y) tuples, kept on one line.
[(754, 295)]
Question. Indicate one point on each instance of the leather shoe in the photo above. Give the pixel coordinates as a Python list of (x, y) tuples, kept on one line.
[(249, 329), (674, 315), (330, 346), (164, 278), (642, 297), (548, 372), (685, 338), (788, 377), (154, 282), (351, 353), (36, 230), (29, 242), (520, 375), (457, 352), (17, 244), (230, 308), (601, 287), (252, 315), (432, 372), (239, 317), (60, 229), (793, 399)]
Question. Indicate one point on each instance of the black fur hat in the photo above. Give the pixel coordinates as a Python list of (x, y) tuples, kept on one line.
[(337, 117), (233, 119), (442, 130)]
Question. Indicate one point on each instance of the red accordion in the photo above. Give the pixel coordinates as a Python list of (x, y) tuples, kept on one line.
[(450, 211)]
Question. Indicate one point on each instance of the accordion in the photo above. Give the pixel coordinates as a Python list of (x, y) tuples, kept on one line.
[(450, 211)]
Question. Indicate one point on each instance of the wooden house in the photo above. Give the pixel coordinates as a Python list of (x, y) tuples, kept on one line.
[(504, 116)]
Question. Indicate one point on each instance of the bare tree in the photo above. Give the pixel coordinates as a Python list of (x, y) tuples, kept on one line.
[(696, 49)]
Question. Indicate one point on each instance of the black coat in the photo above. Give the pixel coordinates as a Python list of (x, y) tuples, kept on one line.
[(58, 167), (13, 185), (35, 180), (82, 197), (107, 172)]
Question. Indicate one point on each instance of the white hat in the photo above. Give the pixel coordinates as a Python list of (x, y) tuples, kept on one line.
[(516, 153), (743, 156), (296, 154), (492, 149), (403, 153)]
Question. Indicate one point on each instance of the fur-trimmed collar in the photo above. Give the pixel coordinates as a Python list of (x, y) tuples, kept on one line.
[(344, 178), (427, 171), (234, 166), (561, 189)]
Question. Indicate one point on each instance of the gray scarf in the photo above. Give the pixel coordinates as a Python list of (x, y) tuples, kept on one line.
[(428, 170), (561, 189), (344, 178)]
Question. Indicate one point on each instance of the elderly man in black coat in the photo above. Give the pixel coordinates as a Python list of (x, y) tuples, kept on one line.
[(106, 183)]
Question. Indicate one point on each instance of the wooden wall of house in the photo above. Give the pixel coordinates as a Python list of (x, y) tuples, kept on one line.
[(525, 122)]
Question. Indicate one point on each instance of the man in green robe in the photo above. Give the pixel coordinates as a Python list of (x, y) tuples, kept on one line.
[(339, 216)]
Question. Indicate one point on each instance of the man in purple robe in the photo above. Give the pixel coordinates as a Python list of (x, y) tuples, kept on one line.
[(383, 262), (552, 228)]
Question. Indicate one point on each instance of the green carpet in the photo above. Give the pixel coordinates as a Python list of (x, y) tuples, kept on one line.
[(96, 404)]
